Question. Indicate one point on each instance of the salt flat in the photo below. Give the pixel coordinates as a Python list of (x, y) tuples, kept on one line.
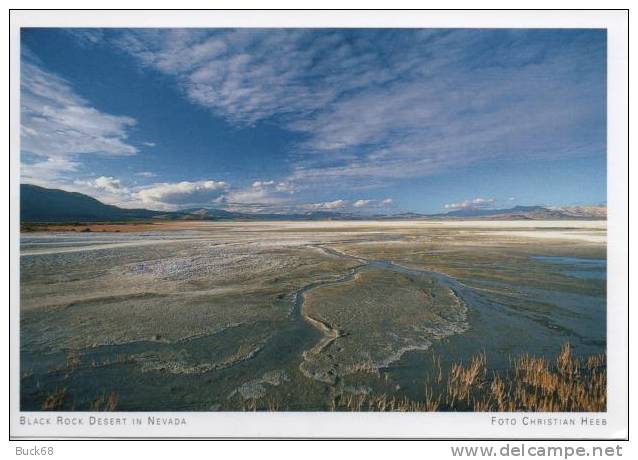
[(201, 315)]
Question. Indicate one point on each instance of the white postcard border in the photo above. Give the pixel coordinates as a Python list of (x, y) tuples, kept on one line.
[(359, 425)]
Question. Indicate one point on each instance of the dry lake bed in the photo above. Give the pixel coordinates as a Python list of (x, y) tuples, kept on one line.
[(301, 316)]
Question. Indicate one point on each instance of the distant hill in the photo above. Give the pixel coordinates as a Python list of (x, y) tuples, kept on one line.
[(209, 213), (517, 210), (587, 212), (39, 204), (45, 205), (530, 213)]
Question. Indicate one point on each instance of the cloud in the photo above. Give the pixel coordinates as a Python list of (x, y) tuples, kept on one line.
[(252, 196), (146, 174), (261, 195), (160, 196), (104, 188), (286, 187), (109, 184), (475, 203), (375, 105), (86, 36), (361, 203), (328, 205), (274, 186), (181, 194), (352, 205), (364, 108), (242, 75), (46, 172), (384, 203), (262, 184), (59, 127), (56, 122)]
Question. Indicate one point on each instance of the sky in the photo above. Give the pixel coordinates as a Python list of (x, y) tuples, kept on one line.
[(366, 121)]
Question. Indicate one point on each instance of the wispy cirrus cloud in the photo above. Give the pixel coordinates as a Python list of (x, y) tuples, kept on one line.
[(358, 109), (58, 126), (379, 105), (56, 122), (246, 75), (146, 174), (87, 36)]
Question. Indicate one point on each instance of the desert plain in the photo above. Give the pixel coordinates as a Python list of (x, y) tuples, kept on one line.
[(313, 316)]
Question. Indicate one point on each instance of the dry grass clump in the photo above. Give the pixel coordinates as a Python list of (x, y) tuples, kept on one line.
[(436, 363), (104, 402), (571, 384), (72, 360), (365, 367), (380, 403), (270, 404), (55, 400), (531, 384), (464, 381)]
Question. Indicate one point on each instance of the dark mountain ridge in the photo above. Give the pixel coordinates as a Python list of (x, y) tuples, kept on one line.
[(39, 204)]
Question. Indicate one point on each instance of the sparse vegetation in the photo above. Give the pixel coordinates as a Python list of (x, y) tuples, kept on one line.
[(532, 384), (55, 400), (72, 360), (104, 402)]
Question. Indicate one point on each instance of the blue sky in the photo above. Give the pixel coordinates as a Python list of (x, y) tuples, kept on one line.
[(289, 120)]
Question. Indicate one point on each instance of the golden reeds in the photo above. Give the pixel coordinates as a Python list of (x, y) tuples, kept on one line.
[(104, 402), (72, 360), (55, 400), (530, 384), (270, 404)]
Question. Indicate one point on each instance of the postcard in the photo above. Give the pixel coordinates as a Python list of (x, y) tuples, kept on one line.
[(292, 224)]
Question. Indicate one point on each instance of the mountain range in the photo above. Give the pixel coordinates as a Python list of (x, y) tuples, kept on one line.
[(44, 205)]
